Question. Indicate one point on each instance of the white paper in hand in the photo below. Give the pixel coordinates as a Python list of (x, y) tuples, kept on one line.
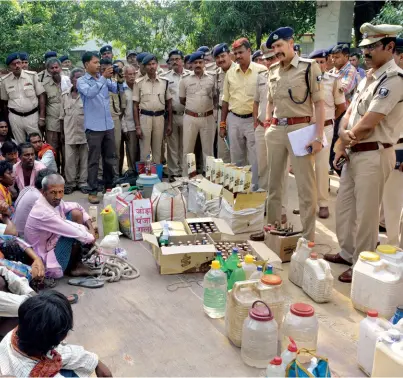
[(299, 139)]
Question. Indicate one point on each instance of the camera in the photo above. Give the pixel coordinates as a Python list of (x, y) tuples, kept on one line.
[(116, 69)]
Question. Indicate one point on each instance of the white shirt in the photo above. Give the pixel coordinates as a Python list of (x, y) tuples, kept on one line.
[(127, 120)]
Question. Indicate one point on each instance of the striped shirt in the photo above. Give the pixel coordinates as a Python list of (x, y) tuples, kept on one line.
[(348, 79)]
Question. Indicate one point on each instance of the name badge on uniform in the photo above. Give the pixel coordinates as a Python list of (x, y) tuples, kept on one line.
[(383, 92), (171, 82), (262, 83)]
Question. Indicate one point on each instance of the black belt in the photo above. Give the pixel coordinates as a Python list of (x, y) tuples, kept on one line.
[(177, 113), (152, 114), (400, 141), (368, 146), (21, 114), (242, 115)]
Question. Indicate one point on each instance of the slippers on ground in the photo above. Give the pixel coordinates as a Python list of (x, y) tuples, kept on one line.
[(88, 282), (68, 190), (72, 298)]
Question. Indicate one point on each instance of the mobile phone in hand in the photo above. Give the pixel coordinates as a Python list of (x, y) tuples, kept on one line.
[(341, 162)]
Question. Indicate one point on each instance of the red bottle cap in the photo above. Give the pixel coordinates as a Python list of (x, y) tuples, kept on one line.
[(276, 361), (292, 347), (314, 256), (303, 310), (372, 313)]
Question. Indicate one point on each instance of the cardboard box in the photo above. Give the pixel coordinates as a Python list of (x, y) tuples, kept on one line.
[(191, 164), (227, 171), (241, 201), (223, 228), (209, 166), (218, 169), (283, 246), (210, 189), (182, 259), (261, 252)]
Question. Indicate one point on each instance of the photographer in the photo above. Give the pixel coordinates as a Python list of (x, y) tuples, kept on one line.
[(94, 91), (117, 104)]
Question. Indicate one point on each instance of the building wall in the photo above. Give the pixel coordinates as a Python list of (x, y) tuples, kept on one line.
[(334, 23)]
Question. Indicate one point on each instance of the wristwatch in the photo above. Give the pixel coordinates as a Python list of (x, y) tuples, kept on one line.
[(317, 139)]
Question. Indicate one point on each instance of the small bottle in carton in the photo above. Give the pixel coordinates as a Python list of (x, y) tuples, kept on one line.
[(218, 163), (209, 166), (191, 165), (93, 213)]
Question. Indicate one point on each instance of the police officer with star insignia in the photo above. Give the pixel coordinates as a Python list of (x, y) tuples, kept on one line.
[(294, 91), (175, 140), (368, 131), (22, 95), (210, 65)]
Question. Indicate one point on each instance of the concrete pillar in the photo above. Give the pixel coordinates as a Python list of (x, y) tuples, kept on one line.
[(334, 23)]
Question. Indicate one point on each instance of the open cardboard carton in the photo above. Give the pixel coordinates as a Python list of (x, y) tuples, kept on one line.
[(175, 228), (210, 189), (283, 246), (261, 252), (221, 225), (242, 200), (185, 258)]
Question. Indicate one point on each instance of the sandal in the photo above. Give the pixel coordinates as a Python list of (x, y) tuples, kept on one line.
[(68, 190), (84, 189), (88, 282)]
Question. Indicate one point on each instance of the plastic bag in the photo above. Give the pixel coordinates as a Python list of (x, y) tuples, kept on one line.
[(168, 203), (296, 369)]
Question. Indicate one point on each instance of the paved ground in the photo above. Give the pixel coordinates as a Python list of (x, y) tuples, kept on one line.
[(140, 328)]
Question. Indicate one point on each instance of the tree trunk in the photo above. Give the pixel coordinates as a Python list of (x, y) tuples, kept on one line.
[(258, 36)]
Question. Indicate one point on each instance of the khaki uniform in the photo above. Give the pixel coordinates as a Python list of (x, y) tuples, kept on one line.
[(199, 94), (261, 148), (53, 101), (117, 106), (363, 177), (239, 91), (22, 93), (151, 96), (211, 67), (334, 95), (222, 149), (175, 140), (76, 148), (129, 127), (281, 80)]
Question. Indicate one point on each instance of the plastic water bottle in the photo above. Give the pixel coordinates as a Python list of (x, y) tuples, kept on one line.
[(398, 315), (215, 291), (164, 238), (275, 368), (233, 260), (269, 269), (258, 274), (290, 354), (222, 262), (249, 266), (148, 165), (237, 275)]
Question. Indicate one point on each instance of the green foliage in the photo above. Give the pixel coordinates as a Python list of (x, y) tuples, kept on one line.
[(391, 13), (38, 26)]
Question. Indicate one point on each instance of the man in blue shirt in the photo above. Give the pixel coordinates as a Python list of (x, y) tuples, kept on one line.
[(355, 61), (94, 91)]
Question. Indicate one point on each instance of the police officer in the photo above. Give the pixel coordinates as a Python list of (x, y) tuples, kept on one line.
[(52, 82), (368, 131), (257, 57), (392, 203), (106, 52), (151, 96), (175, 140), (294, 89), (224, 63), (66, 65), (188, 65), (335, 106), (237, 108), (24, 60), (208, 58), (142, 69), (297, 49), (22, 94), (197, 94)]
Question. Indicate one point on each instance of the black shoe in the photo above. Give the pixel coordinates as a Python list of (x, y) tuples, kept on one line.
[(382, 229)]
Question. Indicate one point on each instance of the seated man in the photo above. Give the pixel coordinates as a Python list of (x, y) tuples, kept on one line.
[(34, 348), (27, 169), (44, 152), (14, 291), (26, 200), (55, 229), (7, 227), (9, 151)]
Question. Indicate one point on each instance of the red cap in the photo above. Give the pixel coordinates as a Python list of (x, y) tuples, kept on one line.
[(261, 313), (311, 244), (372, 313), (303, 310), (239, 42), (276, 361), (292, 347)]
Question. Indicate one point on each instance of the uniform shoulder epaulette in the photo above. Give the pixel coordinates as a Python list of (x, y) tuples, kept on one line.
[(31, 72), (164, 78), (138, 80), (331, 74), (165, 73), (392, 73), (186, 74), (273, 66), (6, 76), (306, 60)]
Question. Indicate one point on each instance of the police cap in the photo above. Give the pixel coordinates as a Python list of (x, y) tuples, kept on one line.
[(374, 33), (219, 49), (24, 56), (11, 57), (131, 52), (141, 56), (186, 58), (175, 52), (204, 49), (63, 58), (50, 54), (280, 33), (148, 58), (196, 55), (105, 49), (342, 47), (320, 53), (256, 54), (399, 45)]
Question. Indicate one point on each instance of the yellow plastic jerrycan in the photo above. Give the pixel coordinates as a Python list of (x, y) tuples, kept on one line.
[(109, 220)]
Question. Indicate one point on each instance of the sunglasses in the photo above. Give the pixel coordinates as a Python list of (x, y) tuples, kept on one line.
[(372, 46)]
